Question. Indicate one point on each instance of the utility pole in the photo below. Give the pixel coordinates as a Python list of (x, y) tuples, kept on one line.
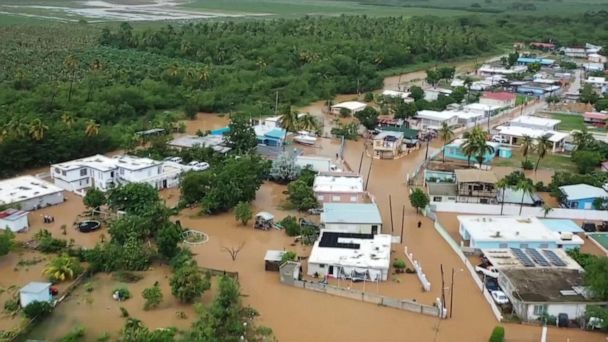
[(361, 160), (452, 294), (369, 171), (390, 206), (426, 155), (276, 103), (402, 221), (442, 290)]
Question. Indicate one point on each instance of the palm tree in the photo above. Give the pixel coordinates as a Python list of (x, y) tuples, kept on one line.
[(63, 267), (92, 128), (308, 123), (17, 127), (67, 119), (475, 138), (446, 134), (527, 144), (468, 82), (482, 149), (526, 187), (71, 64), (502, 185), (543, 144), (37, 129), (546, 210), (582, 139), (289, 121)]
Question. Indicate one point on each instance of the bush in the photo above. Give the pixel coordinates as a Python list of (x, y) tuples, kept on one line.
[(498, 334), (289, 256), (37, 309), (11, 305), (48, 244), (399, 265), (527, 165), (586, 161), (122, 293), (291, 226), (369, 97), (153, 297)]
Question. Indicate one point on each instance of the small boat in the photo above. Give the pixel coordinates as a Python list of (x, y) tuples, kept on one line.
[(305, 138)]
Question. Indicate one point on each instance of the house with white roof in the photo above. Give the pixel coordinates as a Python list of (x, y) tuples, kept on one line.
[(591, 67), (581, 196), (596, 82), (432, 94), (101, 172), (29, 193), (486, 232), (398, 94), (501, 99), (35, 292), (14, 220), (490, 69), (334, 187), (360, 218), (351, 106), (469, 118), (535, 122), (215, 142), (597, 58), (430, 119), (350, 256), (480, 108), (513, 134), (316, 163)]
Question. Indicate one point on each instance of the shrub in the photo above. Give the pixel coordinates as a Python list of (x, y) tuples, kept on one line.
[(498, 334), (527, 165), (37, 309), (291, 226), (122, 293), (76, 334), (399, 265), (289, 256), (11, 305), (153, 296)]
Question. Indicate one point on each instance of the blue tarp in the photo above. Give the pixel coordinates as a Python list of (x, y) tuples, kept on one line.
[(220, 131), (562, 225)]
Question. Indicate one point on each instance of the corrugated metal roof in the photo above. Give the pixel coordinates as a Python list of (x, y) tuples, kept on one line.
[(35, 287), (474, 175), (582, 191), (351, 213)]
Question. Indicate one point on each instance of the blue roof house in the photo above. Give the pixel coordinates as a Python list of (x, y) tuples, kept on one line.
[(453, 150), (535, 60), (581, 196), (359, 218)]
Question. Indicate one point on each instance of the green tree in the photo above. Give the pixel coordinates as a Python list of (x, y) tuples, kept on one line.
[(243, 213), (195, 185), (241, 136), (37, 129), (588, 94), (432, 77), (153, 296), (586, 161), (543, 144), (168, 239), (498, 334), (534, 67), (512, 58), (289, 256), (446, 134), (135, 331), (134, 198), (92, 128), (596, 277), (301, 196), (526, 144), (419, 199), (458, 94), (416, 93), (188, 283), (94, 199), (502, 185), (583, 139), (7, 241), (526, 187), (368, 117), (63, 267), (289, 121), (38, 309), (308, 123), (284, 169)]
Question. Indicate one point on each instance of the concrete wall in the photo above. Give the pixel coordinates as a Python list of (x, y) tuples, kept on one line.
[(41, 202), (585, 203), (573, 310), (513, 210)]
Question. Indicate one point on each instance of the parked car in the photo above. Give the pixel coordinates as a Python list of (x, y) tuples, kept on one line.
[(589, 227), (315, 211), (198, 166), (562, 320), (489, 271), (499, 139), (492, 284), (499, 297), (174, 159)]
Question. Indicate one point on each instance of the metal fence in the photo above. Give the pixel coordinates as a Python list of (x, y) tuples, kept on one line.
[(373, 298)]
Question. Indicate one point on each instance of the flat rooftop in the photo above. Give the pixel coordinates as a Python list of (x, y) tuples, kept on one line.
[(481, 106), (433, 115), (352, 250), (22, 188), (97, 162), (135, 163), (511, 229), (519, 131), (338, 183), (535, 121), (467, 115), (350, 105), (365, 213), (189, 141), (505, 258), (547, 285), (582, 191)]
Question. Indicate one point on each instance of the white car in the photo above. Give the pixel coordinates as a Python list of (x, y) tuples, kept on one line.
[(174, 159), (199, 166), (499, 297), (499, 139), (488, 271)]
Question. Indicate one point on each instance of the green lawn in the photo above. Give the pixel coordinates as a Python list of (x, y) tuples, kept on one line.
[(570, 122), (551, 161)]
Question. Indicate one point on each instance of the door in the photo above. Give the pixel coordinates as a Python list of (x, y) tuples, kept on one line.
[(164, 184), (330, 271), (374, 229)]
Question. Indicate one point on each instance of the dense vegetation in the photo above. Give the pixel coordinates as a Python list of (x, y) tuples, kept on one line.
[(70, 91)]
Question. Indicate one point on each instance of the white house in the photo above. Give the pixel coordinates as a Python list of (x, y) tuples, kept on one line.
[(29, 193), (399, 94), (591, 67), (13, 220), (339, 188), (215, 142), (487, 232), (535, 122), (501, 99), (351, 106), (596, 82), (480, 108), (103, 173), (468, 118), (429, 119), (432, 94), (318, 164), (35, 292), (351, 256), (360, 218), (597, 58), (513, 134), (574, 52), (489, 70)]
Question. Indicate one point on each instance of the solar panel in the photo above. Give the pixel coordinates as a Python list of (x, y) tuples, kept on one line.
[(537, 257), (522, 257), (553, 258)]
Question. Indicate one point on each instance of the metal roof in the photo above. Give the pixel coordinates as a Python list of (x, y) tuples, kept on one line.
[(366, 213), (474, 175), (35, 287), (582, 191)]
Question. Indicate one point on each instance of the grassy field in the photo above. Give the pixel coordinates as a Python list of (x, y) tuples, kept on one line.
[(570, 122), (551, 161)]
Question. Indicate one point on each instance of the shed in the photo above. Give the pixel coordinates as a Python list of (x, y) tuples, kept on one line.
[(272, 260), (14, 220), (351, 106), (35, 292), (581, 196)]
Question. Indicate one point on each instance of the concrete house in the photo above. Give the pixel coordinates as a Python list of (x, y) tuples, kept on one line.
[(351, 106), (535, 122), (35, 292), (334, 187), (360, 218), (581, 196), (387, 144), (476, 186), (14, 220), (429, 119), (486, 110), (29, 193), (453, 150), (502, 99)]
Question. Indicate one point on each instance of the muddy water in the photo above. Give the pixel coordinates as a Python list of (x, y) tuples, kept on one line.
[(206, 122), (98, 312)]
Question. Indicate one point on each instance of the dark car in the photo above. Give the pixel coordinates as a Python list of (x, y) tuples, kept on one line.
[(589, 227), (492, 284), (562, 320)]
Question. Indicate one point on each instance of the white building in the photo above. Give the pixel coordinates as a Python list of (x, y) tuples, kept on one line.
[(432, 94), (468, 118), (591, 67), (488, 232), (500, 99), (489, 70), (360, 218), (339, 188), (351, 256), (535, 122), (399, 94), (216, 142), (103, 173), (351, 106), (597, 58), (35, 292), (29, 193), (429, 119), (13, 220), (541, 281), (513, 134), (596, 82), (318, 164), (480, 108), (574, 52)]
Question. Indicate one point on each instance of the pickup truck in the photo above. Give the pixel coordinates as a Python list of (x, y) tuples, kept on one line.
[(488, 271)]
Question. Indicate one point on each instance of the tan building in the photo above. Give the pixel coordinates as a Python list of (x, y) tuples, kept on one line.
[(388, 144), (338, 187), (476, 186)]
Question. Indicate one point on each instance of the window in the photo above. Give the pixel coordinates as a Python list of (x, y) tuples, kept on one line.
[(539, 310), (353, 198), (523, 245), (335, 198), (503, 245), (320, 198), (63, 173), (437, 199), (57, 171), (483, 200), (83, 172), (321, 265)]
